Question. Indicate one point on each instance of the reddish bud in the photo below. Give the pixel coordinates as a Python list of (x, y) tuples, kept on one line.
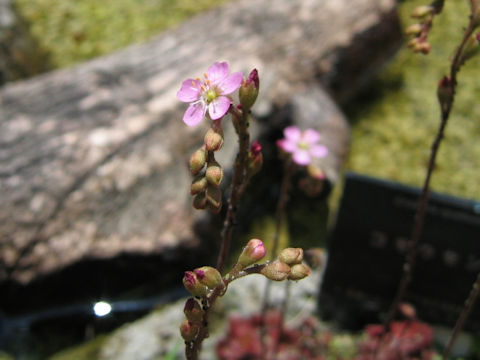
[(299, 271), (291, 256), (198, 161), (214, 138), (255, 158), (193, 311), (189, 330), (209, 276), (193, 285), (276, 271), (445, 92), (255, 148), (252, 252), (249, 90), (315, 172)]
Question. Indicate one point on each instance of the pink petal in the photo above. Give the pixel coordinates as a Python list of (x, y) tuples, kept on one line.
[(318, 151), (311, 136), (292, 133), (190, 90), (287, 145), (231, 83), (194, 114), (219, 107), (301, 157), (217, 72)]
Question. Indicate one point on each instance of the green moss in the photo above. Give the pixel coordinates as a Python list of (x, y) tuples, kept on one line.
[(393, 129), (72, 31)]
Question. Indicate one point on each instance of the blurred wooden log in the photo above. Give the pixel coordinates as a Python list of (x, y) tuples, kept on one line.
[(92, 158)]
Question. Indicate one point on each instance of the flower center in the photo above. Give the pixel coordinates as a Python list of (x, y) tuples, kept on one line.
[(211, 95), (303, 145)]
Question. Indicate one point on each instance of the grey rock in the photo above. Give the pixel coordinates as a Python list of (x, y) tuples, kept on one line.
[(93, 158)]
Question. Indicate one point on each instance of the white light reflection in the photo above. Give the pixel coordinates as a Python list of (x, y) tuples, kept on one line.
[(102, 308)]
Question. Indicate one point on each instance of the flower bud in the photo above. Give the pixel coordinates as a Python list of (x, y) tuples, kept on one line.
[(214, 138), (200, 201), (276, 271), (193, 285), (198, 161), (299, 271), (315, 172), (189, 330), (414, 29), (214, 173), (423, 47), (252, 252), (193, 311), (444, 92), (413, 43), (214, 196), (249, 90), (209, 276), (199, 185), (255, 158), (214, 209), (422, 11), (291, 256)]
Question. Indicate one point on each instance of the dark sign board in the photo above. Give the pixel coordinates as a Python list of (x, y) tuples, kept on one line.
[(369, 243)]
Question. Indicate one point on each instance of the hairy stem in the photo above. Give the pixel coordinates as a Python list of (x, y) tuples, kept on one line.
[(240, 120)]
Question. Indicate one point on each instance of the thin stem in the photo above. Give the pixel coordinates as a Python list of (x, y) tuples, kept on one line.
[(240, 120), (472, 298), (446, 108), (279, 217)]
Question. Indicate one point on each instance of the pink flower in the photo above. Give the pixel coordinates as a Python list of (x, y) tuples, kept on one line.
[(303, 145), (209, 94)]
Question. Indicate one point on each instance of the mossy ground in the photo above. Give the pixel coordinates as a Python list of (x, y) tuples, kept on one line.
[(73, 31)]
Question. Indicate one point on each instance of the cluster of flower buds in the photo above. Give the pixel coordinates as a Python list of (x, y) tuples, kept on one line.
[(419, 31), (193, 319), (202, 281), (288, 265), (208, 174)]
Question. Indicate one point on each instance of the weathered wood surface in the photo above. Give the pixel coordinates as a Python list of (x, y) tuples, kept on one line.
[(92, 159)]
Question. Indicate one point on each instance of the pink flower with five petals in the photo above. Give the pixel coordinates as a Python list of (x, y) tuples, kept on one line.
[(302, 145), (210, 94)]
